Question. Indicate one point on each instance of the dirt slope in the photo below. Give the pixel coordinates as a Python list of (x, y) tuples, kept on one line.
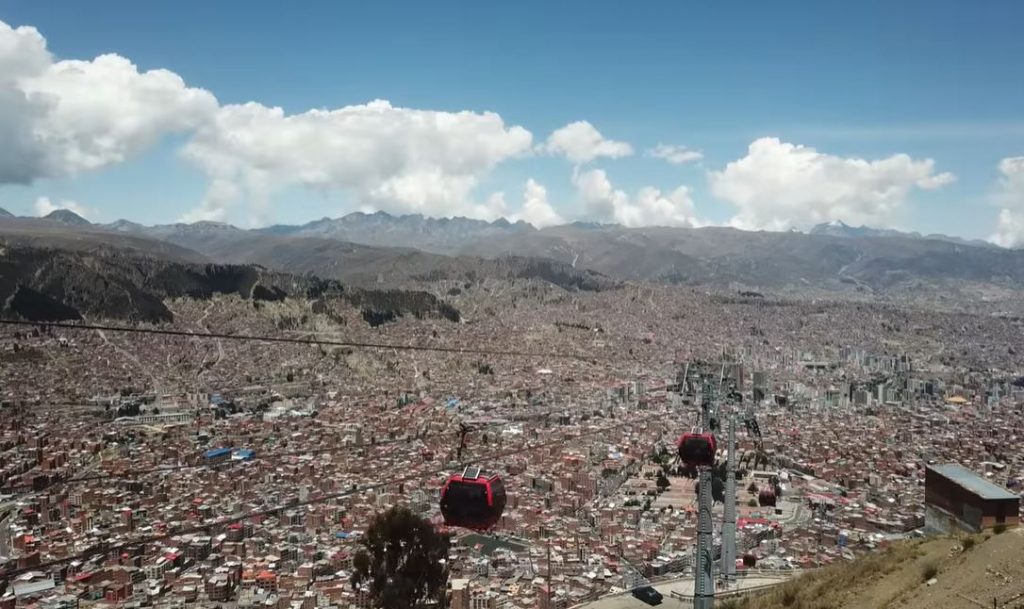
[(991, 568)]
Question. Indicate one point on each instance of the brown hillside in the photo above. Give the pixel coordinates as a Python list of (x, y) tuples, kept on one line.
[(989, 567)]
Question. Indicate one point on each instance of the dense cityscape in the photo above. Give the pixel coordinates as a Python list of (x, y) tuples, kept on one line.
[(523, 305), (147, 470)]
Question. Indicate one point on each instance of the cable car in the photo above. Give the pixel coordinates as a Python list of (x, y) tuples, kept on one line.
[(697, 449), (766, 498), (473, 500)]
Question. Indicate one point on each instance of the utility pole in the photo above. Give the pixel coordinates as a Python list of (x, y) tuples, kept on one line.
[(549, 574), (729, 525), (703, 582)]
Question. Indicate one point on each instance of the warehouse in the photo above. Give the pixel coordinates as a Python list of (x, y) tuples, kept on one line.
[(958, 499)]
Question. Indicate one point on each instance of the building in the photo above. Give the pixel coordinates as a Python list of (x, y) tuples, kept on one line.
[(958, 499), (460, 594)]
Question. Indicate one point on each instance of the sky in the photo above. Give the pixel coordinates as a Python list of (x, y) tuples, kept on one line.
[(759, 115)]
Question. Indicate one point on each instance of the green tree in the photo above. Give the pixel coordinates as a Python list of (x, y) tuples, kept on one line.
[(662, 481), (403, 562)]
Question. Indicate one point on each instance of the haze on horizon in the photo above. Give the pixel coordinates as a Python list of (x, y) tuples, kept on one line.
[(775, 118)]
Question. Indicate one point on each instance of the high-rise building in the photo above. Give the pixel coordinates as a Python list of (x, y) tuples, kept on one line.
[(460, 594)]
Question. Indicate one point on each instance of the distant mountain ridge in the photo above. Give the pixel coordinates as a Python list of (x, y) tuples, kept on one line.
[(838, 228), (5, 214), (437, 235), (66, 216), (833, 257), (353, 263)]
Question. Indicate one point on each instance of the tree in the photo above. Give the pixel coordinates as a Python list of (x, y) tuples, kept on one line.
[(662, 481), (403, 561)]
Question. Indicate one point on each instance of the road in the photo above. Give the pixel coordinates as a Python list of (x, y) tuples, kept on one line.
[(683, 586)]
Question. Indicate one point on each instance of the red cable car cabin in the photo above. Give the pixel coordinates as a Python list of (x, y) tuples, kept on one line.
[(766, 498), (697, 448), (473, 500)]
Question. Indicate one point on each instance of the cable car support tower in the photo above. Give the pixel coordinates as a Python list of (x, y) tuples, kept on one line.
[(729, 524), (704, 582)]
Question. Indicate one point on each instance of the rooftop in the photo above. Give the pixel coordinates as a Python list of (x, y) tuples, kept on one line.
[(972, 481)]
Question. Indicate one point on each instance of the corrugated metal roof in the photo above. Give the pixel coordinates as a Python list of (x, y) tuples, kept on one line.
[(973, 482), (33, 587), (217, 452)]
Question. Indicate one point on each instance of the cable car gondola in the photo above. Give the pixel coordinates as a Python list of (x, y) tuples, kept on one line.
[(473, 500), (697, 449)]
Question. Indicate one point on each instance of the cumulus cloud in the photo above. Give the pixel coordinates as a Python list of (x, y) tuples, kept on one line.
[(399, 159), (676, 155), (537, 210), (1010, 194), (778, 185), (581, 142), (58, 118), (650, 206), (44, 206)]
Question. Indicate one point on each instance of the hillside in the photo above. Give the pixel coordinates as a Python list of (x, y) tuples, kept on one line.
[(86, 238), (66, 216), (833, 257), (896, 577), (377, 250), (355, 263), (437, 235), (719, 256), (48, 285)]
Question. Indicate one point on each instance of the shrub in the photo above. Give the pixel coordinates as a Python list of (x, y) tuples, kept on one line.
[(788, 595), (929, 570), (967, 543), (999, 529)]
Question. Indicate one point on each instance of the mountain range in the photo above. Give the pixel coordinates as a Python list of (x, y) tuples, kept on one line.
[(382, 249), (839, 228)]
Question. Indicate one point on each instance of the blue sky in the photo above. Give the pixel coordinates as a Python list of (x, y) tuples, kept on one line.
[(934, 80)]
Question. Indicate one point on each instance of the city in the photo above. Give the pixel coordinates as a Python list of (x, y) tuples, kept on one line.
[(245, 473), (534, 305)]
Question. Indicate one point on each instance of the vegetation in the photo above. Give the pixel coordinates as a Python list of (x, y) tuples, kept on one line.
[(999, 529), (929, 570), (831, 587), (662, 481), (967, 543), (403, 561)]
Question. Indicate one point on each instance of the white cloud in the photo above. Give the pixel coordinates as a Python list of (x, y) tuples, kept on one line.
[(676, 155), (650, 207), (581, 142), (778, 185), (219, 198), (537, 210), (44, 206), (60, 118), (1010, 194), (398, 159)]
